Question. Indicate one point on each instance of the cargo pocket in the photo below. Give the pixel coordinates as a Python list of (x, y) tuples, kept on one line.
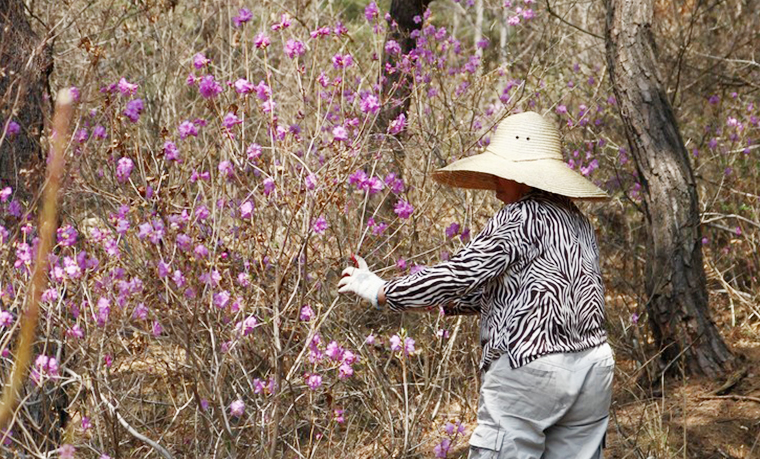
[(488, 443)]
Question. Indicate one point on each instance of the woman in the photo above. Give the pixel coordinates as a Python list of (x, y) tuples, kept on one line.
[(533, 276)]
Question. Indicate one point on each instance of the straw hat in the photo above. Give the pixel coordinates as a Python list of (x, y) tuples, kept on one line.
[(525, 148)]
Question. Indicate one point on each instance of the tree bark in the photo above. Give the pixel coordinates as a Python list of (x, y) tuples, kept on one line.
[(397, 85), (25, 66), (676, 292)]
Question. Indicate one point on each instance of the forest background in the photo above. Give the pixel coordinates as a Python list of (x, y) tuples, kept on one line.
[(225, 159)]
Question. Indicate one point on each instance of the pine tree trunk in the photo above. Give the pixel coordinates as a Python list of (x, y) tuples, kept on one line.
[(397, 85), (25, 66), (675, 282)]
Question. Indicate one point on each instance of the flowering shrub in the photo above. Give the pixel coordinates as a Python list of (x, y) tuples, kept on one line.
[(217, 189)]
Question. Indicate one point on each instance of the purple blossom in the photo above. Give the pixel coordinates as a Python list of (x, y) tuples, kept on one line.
[(294, 48), (370, 340), (187, 128), (403, 209), (334, 351), (237, 408), (345, 371), (200, 61), (392, 47), (104, 310), (452, 230), (157, 329), (395, 343), (320, 225), (313, 381), (243, 86), (253, 152), (307, 314), (75, 94), (171, 152), (209, 88), (441, 450), (369, 104), (81, 135), (201, 251), (230, 120), (246, 209), (371, 11), (261, 41), (269, 186), (133, 109), (408, 346), (5, 193), (126, 88), (13, 128), (75, 332), (340, 134), (6, 319), (243, 16), (124, 169), (341, 61), (397, 125), (99, 132), (140, 312), (66, 235), (310, 181)]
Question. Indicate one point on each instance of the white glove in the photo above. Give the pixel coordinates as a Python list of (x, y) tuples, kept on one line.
[(361, 281)]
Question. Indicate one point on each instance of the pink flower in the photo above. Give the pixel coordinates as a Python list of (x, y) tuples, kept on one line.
[(369, 104), (243, 86), (237, 408), (133, 109), (392, 47), (307, 314), (514, 20), (171, 152), (441, 450), (243, 16), (371, 11), (5, 193), (370, 340), (209, 88), (230, 120), (320, 225), (261, 41), (66, 452), (126, 88), (313, 381), (124, 169), (395, 343), (334, 351), (403, 209), (294, 48), (200, 61), (187, 128), (408, 346), (345, 371), (246, 209), (253, 152), (140, 312), (340, 134), (157, 329), (397, 125)]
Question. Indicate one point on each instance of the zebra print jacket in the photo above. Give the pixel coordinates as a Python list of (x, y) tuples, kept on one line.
[(532, 274)]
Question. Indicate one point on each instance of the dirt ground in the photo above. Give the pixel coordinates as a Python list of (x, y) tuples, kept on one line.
[(687, 421)]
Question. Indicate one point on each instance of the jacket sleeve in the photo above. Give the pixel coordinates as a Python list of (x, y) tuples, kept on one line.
[(457, 281)]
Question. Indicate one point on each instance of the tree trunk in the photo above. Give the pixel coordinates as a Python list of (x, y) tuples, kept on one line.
[(25, 66), (397, 85), (675, 282)]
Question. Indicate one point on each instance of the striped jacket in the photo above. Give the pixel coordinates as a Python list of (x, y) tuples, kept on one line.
[(532, 274)]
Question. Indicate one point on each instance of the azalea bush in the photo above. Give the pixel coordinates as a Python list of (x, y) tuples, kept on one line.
[(225, 163)]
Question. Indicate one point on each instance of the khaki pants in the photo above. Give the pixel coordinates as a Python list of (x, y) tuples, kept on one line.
[(554, 407)]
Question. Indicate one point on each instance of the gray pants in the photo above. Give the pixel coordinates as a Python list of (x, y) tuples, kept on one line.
[(554, 407)]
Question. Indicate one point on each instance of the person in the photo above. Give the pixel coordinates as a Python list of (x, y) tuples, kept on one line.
[(533, 275)]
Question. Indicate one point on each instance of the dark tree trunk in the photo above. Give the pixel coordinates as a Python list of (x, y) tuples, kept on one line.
[(397, 85), (675, 283), (25, 65)]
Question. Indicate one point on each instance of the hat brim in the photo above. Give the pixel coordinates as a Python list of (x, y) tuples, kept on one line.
[(552, 175)]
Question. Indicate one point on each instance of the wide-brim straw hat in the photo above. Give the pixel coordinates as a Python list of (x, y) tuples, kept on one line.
[(525, 148)]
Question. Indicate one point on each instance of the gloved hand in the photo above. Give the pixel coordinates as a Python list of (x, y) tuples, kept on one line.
[(361, 281)]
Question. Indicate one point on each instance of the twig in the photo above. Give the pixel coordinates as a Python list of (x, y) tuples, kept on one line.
[(740, 398), (565, 21), (159, 449)]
